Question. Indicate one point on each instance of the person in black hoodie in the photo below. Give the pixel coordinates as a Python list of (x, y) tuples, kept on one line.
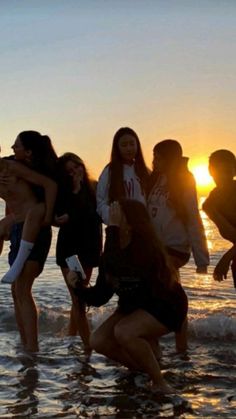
[(80, 231), (151, 301)]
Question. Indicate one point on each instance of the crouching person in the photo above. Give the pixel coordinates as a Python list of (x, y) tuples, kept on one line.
[(151, 301)]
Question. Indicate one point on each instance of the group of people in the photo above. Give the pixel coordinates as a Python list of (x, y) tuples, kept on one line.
[(152, 224)]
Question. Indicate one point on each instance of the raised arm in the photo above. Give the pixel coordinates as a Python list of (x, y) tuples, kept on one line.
[(31, 176)]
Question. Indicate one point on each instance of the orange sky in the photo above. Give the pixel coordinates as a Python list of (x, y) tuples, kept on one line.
[(79, 70)]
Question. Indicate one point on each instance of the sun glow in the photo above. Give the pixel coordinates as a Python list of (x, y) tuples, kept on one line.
[(202, 177)]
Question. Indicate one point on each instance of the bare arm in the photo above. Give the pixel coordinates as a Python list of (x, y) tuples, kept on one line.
[(49, 186), (226, 229)]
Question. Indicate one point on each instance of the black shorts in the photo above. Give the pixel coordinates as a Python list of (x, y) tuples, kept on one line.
[(41, 247), (170, 311)]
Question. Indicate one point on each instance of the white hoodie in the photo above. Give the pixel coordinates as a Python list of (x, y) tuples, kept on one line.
[(132, 186), (185, 237)]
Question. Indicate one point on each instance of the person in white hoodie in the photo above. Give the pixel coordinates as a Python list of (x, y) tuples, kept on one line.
[(126, 176), (173, 208)]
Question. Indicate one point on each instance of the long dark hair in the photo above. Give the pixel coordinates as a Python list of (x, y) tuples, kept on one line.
[(116, 188), (153, 251), (179, 178), (65, 180), (44, 157)]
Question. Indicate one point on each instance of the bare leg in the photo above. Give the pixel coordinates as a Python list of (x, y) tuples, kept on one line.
[(33, 222), (5, 225), (18, 316), (1, 245), (26, 312), (133, 333), (181, 338), (103, 341), (31, 229), (78, 319), (156, 349)]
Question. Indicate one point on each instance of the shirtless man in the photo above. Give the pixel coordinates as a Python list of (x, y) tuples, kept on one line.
[(23, 206)]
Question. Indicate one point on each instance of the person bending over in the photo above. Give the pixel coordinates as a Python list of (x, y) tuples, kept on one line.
[(151, 301)]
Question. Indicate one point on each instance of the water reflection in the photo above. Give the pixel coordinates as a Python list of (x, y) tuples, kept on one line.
[(26, 395)]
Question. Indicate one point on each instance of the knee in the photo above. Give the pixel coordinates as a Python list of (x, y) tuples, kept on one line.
[(21, 292), (122, 334)]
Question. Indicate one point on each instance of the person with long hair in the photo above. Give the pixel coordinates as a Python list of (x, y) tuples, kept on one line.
[(151, 301), (34, 151), (126, 176), (80, 230), (173, 208), (220, 206), (28, 193)]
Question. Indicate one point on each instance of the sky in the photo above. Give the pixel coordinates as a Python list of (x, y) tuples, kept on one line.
[(79, 70)]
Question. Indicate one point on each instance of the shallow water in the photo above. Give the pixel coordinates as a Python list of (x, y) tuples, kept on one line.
[(61, 381)]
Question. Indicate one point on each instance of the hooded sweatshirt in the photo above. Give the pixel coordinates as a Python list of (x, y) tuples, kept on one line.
[(132, 186), (186, 236)]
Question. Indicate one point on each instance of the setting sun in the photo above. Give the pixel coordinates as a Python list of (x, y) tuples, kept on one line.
[(202, 177)]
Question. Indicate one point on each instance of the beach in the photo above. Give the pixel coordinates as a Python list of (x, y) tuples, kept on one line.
[(62, 381)]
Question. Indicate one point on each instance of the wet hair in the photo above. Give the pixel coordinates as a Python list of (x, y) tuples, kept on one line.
[(44, 157), (178, 176), (225, 157), (65, 179), (116, 188), (152, 249)]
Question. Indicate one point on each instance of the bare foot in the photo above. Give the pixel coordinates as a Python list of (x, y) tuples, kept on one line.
[(162, 387), (156, 350)]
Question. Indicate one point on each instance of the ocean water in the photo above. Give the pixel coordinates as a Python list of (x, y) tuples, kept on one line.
[(61, 381)]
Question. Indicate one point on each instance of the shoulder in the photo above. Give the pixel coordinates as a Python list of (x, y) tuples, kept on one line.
[(105, 172), (211, 200)]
